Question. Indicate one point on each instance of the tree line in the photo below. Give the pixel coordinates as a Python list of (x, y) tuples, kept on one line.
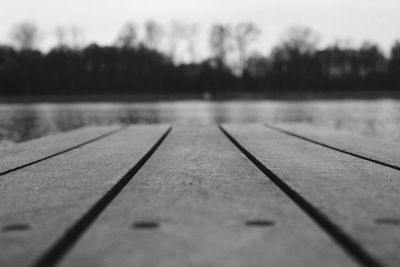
[(134, 65)]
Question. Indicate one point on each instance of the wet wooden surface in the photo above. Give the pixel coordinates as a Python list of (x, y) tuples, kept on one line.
[(379, 151), (48, 198), (31, 152), (353, 194), (239, 195), (202, 193)]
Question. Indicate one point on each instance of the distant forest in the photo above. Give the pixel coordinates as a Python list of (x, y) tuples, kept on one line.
[(134, 65)]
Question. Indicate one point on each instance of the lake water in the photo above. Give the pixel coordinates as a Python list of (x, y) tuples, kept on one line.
[(375, 118)]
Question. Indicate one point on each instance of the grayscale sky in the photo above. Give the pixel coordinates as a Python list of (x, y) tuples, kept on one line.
[(100, 20)]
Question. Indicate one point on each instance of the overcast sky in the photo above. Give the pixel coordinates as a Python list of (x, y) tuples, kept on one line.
[(357, 20)]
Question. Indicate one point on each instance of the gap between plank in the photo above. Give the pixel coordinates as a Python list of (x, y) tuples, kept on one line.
[(62, 152), (51, 257), (333, 148), (349, 245)]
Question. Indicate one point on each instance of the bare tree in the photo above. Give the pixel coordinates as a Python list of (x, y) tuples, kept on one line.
[(25, 35), (258, 65), (183, 40), (300, 40), (394, 62), (192, 35), (395, 50), (153, 34), (220, 43), (178, 32), (61, 36), (245, 34), (127, 37), (76, 37), (294, 57), (372, 59)]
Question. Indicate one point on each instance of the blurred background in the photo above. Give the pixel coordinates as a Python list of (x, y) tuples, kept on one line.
[(65, 65)]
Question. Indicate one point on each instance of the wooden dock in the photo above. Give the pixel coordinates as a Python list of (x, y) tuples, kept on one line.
[(228, 195)]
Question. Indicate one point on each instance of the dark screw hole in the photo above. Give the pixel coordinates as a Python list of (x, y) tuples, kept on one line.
[(391, 221), (145, 225), (260, 223), (16, 227)]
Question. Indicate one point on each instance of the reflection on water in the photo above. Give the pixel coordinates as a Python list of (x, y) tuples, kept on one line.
[(379, 119)]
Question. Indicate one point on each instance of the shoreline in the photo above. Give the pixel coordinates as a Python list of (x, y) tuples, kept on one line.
[(143, 98)]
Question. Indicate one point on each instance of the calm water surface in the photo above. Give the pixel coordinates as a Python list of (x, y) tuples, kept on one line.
[(377, 118)]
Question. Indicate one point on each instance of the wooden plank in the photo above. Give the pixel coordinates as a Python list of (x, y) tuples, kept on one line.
[(201, 191), (27, 153), (380, 151), (360, 197), (40, 204)]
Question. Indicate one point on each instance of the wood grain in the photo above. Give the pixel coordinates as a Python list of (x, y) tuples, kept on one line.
[(352, 193), (199, 202), (32, 151), (381, 151), (41, 202)]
